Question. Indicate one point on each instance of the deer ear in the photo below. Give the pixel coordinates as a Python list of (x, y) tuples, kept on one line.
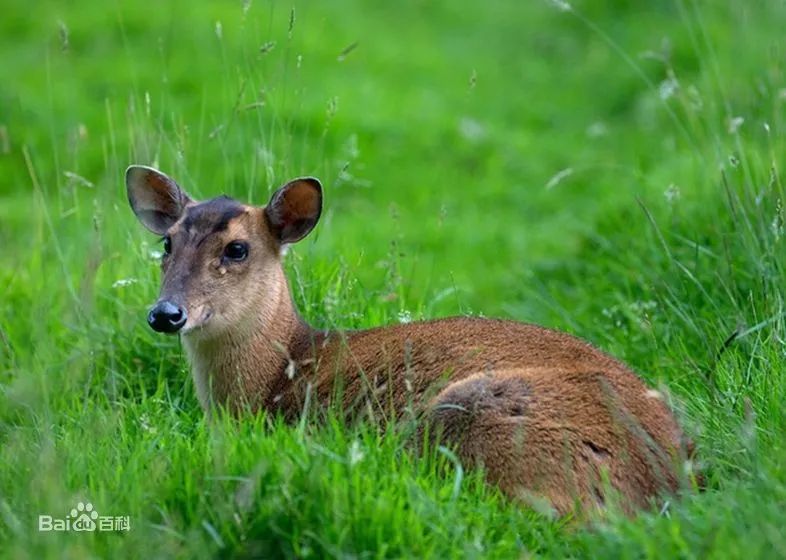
[(294, 209), (157, 200)]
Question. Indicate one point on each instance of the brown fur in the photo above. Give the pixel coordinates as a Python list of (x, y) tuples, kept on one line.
[(545, 414)]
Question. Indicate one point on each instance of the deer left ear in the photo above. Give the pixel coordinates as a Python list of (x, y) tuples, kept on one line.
[(294, 209), (156, 199)]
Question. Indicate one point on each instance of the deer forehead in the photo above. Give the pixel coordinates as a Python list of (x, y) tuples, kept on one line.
[(222, 214)]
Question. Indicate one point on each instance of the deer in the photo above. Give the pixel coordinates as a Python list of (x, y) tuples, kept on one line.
[(546, 416)]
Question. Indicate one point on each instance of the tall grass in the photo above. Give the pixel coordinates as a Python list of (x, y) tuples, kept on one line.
[(602, 170)]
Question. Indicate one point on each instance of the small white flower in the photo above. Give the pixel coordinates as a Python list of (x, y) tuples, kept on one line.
[(144, 422), (776, 226), (668, 88), (734, 124), (356, 453), (672, 193), (123, 282), (471, 129), (597, 129), (290, 370), (562, 5)]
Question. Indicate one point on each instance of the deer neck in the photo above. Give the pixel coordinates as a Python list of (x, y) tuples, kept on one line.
[(247, 365)]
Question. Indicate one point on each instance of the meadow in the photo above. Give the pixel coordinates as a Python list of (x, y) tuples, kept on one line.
[(608, 168)]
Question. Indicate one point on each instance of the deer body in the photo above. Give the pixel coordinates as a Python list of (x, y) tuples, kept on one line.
[(546, 414)]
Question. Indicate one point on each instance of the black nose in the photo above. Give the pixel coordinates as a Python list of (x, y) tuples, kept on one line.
[(167, 317)]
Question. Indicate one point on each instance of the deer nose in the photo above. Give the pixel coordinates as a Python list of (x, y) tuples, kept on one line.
[(166, 317)]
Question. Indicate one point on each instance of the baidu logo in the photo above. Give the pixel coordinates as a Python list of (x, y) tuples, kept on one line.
[(84, 518)]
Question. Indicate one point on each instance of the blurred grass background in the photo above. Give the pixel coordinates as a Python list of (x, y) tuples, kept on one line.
[(609, 168)]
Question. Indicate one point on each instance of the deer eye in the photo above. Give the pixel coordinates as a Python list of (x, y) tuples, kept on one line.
[(236, 251), (167, 245)]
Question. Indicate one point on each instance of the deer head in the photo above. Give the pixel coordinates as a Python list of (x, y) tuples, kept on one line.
[(221, 268)]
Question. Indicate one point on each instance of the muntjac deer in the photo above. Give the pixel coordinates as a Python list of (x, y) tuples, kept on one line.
[(544, 413)]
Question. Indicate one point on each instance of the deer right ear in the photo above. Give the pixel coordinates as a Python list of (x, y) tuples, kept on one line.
[(157, 200), (294, 209)]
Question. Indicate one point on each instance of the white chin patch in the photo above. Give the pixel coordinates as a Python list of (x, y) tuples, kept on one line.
[(198, 323), (284, 250)]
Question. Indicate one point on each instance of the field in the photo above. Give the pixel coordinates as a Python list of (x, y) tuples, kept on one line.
[(609, 168)]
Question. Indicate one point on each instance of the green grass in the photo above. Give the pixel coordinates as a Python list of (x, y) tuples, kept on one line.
[(586, 170)]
